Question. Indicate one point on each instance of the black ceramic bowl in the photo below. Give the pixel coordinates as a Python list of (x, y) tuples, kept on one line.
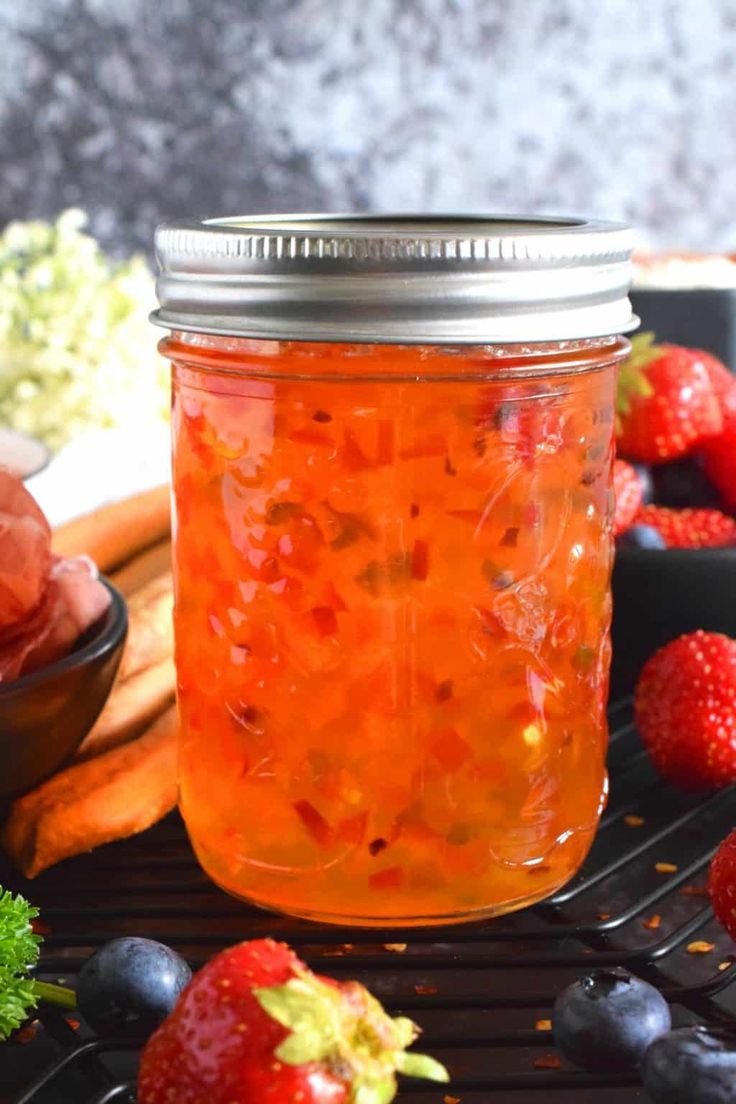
[(45, 716), (661, 594)]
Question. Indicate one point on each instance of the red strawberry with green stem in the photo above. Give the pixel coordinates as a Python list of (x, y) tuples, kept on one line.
[(689, 528), (666, 402), (256, 1026), (685, 707)]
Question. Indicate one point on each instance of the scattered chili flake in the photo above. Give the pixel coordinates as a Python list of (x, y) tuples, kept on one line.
[(26, 1034), (666, 868), (399, 948), (376, 846), (510, 537), (548, 1062), (449, 467), (604, 915), (313, 821), (325, 619), (74, 1024), (589, 477), (420, 560), (632, 821), (322, 416), (414, 510), (700, 946), (425, 990), (652, 922), (387, 879), (695, 891), (543, 1025), (443, 692), (451, 1099)]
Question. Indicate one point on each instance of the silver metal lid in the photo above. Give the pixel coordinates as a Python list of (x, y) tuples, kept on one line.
[(405, 279)]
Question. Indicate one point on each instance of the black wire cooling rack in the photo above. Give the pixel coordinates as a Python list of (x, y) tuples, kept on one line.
[(481, 993)]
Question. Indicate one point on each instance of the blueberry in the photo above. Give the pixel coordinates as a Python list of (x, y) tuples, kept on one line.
[(693, 1065), (641, 536), (130, 985), (647, 483), (683, 483), (606, 1020)]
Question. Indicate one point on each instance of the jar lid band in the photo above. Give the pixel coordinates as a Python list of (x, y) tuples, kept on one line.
[(403, 279)]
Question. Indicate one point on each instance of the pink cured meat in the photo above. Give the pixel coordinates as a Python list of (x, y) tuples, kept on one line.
[(45, 603), (25, 552)]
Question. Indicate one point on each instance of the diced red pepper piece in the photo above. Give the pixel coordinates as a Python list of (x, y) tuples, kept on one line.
[(450, 749), (314, 822), (420, 560), (325, 619), (354, 457), (309, 436), (387, 879), (385, 448), (352, 829)]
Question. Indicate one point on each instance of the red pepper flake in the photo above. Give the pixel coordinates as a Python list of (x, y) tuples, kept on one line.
[(39, 928), (27, 1034), (700, 946), (510, 537), (376, 846), (74, 1024), (420, 560), (652, 922), (325, 619), (425, 990), (322, 416), (543, 1025), (385, 450), (632, 821), (443, 692), (313, 821), (548, 1062), (387, 879), (446, 1099), (414, 510), (604, 915), (695, 891), (665, 868)]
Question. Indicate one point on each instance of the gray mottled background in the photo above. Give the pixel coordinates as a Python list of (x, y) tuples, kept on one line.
[(142, 109)]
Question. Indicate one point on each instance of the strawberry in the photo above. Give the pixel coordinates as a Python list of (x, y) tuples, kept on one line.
[(666, 403), (689, 528), (719, 458), (685, 708), (722, 381), (723, 884), (628, 493), (256, 1026)]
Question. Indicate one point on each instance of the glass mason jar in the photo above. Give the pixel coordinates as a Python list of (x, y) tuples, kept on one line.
[(392, 481)]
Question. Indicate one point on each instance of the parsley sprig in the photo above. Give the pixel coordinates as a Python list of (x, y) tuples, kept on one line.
[(19, 950)]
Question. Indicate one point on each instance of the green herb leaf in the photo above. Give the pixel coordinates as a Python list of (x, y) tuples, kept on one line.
[(19, 948)]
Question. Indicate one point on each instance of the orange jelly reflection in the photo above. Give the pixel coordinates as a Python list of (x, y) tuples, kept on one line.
[(392, 621)]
